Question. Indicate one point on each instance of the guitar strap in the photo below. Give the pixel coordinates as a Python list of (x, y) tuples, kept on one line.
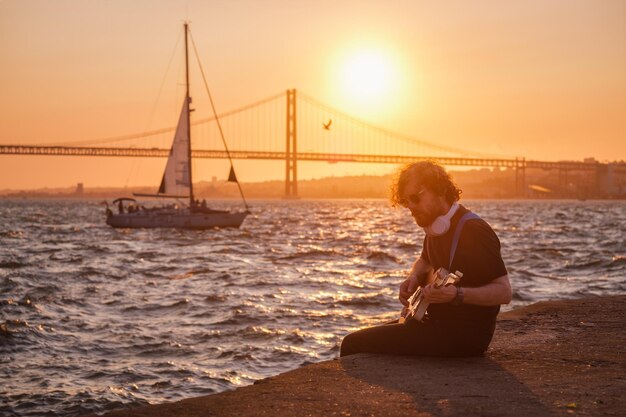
[(457, 234)]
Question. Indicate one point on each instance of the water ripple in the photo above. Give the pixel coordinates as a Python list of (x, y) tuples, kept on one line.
[(94, 318)]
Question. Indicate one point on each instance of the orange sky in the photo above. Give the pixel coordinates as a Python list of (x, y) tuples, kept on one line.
[(542, 80)]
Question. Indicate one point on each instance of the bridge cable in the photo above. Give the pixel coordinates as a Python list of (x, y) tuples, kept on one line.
[(387, 132), (155, 132)]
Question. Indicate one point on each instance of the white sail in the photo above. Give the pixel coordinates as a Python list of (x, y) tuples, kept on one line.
[(176, 176)]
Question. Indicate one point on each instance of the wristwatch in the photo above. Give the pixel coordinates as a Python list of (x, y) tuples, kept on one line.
[(458, 300)]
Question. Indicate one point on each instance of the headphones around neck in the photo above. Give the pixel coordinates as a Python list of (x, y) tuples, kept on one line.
[(442, 223)]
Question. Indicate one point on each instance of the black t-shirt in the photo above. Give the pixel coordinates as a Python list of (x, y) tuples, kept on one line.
[(477, 257)]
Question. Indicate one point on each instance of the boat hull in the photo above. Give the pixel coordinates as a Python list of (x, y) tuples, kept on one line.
[(183, 220)]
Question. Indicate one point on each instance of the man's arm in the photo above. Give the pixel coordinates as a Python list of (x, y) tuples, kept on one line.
[(494, 293), (419, 275)]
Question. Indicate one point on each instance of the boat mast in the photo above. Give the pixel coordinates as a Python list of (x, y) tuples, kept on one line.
[(188, 98)]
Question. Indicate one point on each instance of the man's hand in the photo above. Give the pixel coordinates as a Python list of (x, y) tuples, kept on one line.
[(443, 294), (419, 274), (407, 288)]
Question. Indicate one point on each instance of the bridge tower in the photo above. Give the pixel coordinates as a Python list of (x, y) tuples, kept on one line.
[(291, 150), (520, 177)]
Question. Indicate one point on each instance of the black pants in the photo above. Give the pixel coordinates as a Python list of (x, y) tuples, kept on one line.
[(428, 338)]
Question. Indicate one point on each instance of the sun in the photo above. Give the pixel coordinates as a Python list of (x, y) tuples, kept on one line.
[(367, 75)]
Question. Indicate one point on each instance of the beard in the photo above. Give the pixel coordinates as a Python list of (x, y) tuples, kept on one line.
[(424, 219)]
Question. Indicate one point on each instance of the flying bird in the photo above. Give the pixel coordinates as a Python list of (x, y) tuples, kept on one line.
[(327, 124)]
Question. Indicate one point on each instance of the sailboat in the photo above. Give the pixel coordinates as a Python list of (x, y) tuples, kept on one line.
[(177, 184)]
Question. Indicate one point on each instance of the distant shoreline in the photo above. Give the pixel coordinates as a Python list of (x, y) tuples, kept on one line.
[(476, 184)]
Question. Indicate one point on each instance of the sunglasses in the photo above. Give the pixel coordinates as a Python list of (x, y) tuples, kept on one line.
[(413, 198)]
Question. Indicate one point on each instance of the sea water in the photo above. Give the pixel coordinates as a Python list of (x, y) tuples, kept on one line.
[(94, 318)]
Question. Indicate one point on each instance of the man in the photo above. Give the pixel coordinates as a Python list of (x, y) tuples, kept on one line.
[(460, 319)]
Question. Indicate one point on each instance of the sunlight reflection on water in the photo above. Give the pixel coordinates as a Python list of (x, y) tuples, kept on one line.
[(141, 316)]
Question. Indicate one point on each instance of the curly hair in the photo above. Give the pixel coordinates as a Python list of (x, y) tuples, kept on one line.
[(430, 175)]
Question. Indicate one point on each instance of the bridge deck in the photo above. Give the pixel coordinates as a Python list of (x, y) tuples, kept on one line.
[(302, 156)]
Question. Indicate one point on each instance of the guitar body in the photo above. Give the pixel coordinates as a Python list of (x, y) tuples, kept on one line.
[(417, 305)]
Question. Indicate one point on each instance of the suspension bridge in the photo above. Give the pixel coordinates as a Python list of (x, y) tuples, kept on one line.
[(293, 126)]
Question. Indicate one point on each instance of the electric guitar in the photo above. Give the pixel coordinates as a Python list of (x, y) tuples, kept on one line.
[(417, 305)]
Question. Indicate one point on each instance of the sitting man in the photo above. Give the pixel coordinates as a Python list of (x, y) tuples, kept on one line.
[(460, 320)]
